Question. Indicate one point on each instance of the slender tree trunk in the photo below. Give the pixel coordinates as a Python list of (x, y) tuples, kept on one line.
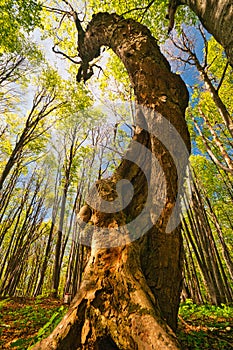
[(5, 195), (192, 280), (226, 253), (130, 292), (219, 143), (221, 283), (14, 157), (39, 286), (195, 239), (57, 262), (226, 117)]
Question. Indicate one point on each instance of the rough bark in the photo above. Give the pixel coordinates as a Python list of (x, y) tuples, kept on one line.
[(129, 295), (217, 17)]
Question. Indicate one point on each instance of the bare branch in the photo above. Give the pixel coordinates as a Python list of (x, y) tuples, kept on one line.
[(69, 5), (62, 19), (64, 55), (147, 7), (223, 76), (212, 61), (201, 29), (208, 149), (7, 71), (55, 10)]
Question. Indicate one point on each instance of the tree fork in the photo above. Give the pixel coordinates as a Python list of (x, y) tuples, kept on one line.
[(129, 296)]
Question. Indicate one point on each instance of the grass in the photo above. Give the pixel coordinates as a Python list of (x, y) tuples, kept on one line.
[(24, 321)]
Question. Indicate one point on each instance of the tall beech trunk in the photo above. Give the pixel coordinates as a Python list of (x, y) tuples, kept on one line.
[(129, 295)]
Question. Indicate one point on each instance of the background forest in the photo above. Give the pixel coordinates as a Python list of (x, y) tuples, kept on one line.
[(59, 136)]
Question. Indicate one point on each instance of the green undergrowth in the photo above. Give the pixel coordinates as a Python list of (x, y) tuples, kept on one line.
[(205, 326), (24, 321)]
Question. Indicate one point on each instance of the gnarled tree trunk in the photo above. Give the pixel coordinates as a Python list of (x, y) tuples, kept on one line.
[(129, 296)]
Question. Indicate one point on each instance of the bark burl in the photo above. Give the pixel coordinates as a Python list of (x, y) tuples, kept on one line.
[(129, 296)]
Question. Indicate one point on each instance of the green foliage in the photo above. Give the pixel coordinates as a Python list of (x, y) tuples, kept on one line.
[(219, 72), (205, 170), (3, 302), (32, 316), (188, 309), (17, 17), (76, 117), (49, 326), (39, 317), (212, 180), (218, 62), (153, 15), (208, 156), (114, 83), (205, 326)]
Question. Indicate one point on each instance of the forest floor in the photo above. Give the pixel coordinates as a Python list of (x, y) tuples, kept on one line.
[(24, 321)]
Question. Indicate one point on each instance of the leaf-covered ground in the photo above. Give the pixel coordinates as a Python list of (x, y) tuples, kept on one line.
[(205, 327), (24, 321)]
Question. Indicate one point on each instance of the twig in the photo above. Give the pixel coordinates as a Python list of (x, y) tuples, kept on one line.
[(145, 8), (56, 10), (223, 76), (184, 322), (64, 54)]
